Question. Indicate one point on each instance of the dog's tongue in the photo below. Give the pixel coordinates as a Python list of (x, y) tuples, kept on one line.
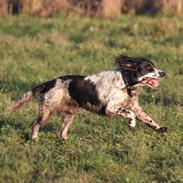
[(154, 83)]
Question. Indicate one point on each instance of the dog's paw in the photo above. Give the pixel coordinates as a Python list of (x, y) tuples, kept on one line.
[(65, 138), (35, 139), (162, 129)]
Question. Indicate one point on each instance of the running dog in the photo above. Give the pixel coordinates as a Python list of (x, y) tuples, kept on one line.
[(112, 93)]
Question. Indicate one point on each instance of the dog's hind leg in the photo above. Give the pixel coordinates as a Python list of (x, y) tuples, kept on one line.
[(67, 122), (44, 114)]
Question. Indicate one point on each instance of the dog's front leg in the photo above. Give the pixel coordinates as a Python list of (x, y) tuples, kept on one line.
[(118, 111), (145, 118)]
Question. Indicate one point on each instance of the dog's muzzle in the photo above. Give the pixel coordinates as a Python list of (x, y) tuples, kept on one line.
[(153, 82)]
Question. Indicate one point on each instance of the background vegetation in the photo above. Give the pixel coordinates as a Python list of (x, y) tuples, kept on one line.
[(100, 149), (97, 8)]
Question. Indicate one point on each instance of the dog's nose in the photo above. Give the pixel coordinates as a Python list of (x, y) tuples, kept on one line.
[(162, 74)]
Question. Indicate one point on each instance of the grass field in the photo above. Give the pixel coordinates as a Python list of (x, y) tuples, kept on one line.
[(33, 50)]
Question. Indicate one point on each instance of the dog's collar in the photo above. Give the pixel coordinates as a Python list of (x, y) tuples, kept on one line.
[(126, 80)]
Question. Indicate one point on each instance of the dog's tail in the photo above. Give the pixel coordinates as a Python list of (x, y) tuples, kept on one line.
[(22, 101), (34, 92)]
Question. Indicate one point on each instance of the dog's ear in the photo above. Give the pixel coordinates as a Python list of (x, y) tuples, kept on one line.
[(127, 62)]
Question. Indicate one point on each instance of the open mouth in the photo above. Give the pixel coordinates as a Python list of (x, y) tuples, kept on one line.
[(151, 82)]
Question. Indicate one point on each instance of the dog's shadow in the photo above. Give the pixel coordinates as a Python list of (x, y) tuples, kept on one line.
[(165, 101), (24, 129)]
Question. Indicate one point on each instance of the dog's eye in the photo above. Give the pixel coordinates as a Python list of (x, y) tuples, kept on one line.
[(149, 68)]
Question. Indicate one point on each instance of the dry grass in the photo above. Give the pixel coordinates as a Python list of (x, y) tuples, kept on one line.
[(171, 6), (98, 8), (110, 9), (47, 8), (3, 8)]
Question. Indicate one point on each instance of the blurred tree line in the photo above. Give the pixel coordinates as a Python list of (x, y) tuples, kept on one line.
[(97, 8)]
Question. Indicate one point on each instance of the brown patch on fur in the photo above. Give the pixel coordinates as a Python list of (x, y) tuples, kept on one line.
[(67, 106)]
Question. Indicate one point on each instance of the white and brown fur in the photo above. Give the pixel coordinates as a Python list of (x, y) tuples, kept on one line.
[(112, 93)]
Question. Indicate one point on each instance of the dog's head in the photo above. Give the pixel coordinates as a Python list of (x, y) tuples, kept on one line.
[(139, 71)]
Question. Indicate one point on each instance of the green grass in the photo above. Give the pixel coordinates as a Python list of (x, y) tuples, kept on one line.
[(99, 149)]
